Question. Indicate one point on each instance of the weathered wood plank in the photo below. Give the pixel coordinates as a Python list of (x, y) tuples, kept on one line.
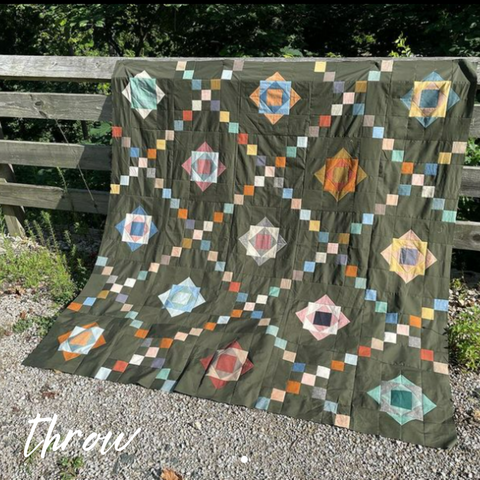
[(467, 236), (71, 106), (88, 157), (81, 69), (63, 106), (99, 157), (470, 186), (475, 125), (99, 69), (53, 198)]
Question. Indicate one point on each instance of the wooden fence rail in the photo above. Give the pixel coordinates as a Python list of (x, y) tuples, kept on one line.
[(73, 106)]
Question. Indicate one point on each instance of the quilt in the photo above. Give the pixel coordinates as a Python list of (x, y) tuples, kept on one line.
[(279, 236)]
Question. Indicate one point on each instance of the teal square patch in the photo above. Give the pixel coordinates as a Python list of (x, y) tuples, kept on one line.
[(144, 93), (401, 399)]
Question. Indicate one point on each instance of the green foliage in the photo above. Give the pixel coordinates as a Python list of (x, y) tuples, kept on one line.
[(38, 269), (401, 48), (33, 456), (44, 233), (469, 208), (46, 268), (238, 29), (234, 30), (69, 467), (464, 338), (3, 225), (41, 324)]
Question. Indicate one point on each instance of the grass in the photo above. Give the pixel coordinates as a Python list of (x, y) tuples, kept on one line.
[(464, 338), (69, 467), (42, 324), (33, 457), (46, 267), (38, 269), (45, 234)]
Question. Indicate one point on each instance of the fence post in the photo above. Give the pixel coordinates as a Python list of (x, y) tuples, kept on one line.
[(14, 216)]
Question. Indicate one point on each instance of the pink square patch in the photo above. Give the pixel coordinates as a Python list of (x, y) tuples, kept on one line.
[(204, 167), (263, 242)]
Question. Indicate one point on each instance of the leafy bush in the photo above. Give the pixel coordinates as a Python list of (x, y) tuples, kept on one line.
[(42, 324), (43, 265), (464, 338), (44, 233), (39, 269)]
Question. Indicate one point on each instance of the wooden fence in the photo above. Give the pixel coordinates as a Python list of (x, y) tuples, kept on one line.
[(68, 106)]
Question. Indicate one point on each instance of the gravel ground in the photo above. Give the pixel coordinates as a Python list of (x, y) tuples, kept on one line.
[(198, 438)]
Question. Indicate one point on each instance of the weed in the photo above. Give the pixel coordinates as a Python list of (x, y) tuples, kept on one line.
[(69, 467), (38, 269), (42, 324), (464, 338)]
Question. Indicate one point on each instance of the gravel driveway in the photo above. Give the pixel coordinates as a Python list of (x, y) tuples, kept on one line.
[(198, 438)]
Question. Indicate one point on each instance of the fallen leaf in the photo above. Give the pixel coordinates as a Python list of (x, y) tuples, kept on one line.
[(49, 394), (169, 474)]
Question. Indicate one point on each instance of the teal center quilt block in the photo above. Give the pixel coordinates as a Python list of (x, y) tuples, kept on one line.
[(279, 236)]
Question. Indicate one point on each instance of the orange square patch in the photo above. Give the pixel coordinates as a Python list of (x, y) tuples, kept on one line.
[(293, 387)]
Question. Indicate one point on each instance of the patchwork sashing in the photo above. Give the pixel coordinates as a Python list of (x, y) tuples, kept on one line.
[(278, 237)]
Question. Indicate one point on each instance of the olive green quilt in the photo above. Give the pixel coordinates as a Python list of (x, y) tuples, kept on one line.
[(279, 236)]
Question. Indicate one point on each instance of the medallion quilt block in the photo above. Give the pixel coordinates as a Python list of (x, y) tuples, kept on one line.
[(279, 237)]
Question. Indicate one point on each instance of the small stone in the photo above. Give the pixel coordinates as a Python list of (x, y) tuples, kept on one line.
[(476, 415)]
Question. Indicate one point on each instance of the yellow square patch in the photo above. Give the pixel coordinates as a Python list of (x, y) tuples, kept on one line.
[(114, 189), (314, 225), (251, 149), (224, 116), (445, 158), (428, 313), (215, 84), (361, 86)]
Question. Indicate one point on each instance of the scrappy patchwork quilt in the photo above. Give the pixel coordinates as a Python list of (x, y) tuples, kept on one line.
[(279, 236)]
